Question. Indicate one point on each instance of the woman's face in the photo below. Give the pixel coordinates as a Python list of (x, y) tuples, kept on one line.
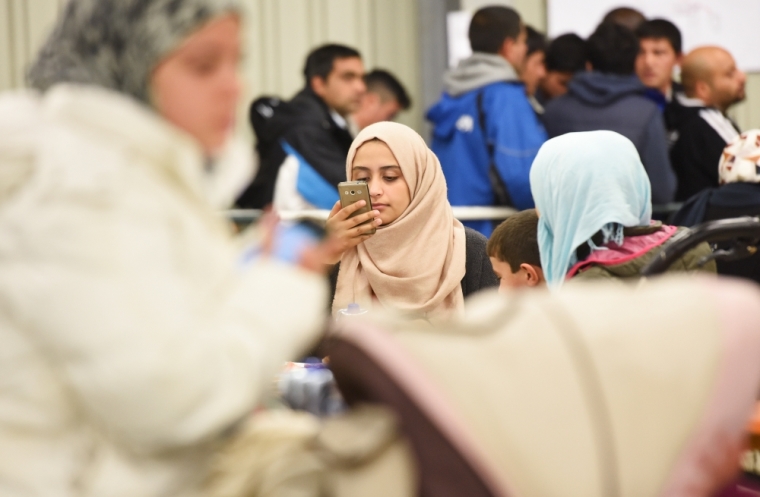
[(196, 87), (374, 163)]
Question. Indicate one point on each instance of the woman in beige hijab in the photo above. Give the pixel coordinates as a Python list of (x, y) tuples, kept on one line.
[(421, 261)]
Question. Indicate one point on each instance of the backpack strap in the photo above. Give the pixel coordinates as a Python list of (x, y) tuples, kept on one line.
[(501, 193)]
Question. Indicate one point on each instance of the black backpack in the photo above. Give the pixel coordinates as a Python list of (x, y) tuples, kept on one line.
[(260, 192)]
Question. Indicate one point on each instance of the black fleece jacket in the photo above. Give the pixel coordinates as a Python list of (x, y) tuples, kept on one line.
[(305, 124)]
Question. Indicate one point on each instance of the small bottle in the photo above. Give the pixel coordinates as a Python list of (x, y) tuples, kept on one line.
[(353, 310)]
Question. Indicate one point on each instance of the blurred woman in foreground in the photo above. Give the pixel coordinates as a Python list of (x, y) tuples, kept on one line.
[(130, 335)]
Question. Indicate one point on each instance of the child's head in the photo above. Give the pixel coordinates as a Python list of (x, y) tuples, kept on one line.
[(513, 249)]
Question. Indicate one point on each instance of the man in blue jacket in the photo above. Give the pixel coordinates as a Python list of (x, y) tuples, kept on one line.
[(611, 97), (486, 132)]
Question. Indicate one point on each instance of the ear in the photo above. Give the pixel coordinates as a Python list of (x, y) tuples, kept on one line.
[(372, 97), (318, 85), (589, 67), (703, 91), (533, 275), (506, 47)]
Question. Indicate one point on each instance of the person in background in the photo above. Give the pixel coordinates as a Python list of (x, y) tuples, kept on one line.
[(421, 261), (134, 338), (594, 201), (513, 250), (566, 55), (534, 68), (302, 144), (486, 133), (626, 17), (738, 195), (659, 55), (611, 97), (712, 84), (385, 97)]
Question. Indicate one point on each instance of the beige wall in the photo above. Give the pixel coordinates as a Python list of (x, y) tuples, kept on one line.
[(747, 114), (282, 32), (23, 27)]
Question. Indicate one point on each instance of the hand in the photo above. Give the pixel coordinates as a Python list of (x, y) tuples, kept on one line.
[(346, 231), (310, 258)]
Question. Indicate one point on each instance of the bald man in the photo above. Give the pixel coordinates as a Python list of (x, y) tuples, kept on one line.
[(712, 84)]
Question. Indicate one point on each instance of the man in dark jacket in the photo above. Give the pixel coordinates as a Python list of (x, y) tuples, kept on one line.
[(611, 97), (303, 143), (712, 83)]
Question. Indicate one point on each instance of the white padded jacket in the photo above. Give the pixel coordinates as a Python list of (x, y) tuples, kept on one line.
[(130, 336)]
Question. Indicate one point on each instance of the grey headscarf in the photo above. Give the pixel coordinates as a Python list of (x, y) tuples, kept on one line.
[(116, 44)]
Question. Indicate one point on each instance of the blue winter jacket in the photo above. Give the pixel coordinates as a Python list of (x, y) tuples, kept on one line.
[(512, 126)]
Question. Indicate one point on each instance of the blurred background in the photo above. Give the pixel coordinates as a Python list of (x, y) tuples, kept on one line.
[(407, 37)]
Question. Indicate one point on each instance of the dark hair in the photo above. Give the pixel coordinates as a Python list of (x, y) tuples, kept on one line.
[(515, 241), (536, 41), (613, 49), (659, 29), (379, 80), (567, 53), (490, 26), (627, 17), (320, 60)]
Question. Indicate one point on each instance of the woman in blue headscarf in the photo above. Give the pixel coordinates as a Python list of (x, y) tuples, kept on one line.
[(594, 201)]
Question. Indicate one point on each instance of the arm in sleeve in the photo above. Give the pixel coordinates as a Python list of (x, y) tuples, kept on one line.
[(657, 162), (517, 135), (320, 150), (158, 359)]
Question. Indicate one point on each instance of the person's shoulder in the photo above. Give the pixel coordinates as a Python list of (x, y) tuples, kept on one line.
[(558, 104), (641, 104), (702, 125), (304, 107), (474, 240), (512, 91)]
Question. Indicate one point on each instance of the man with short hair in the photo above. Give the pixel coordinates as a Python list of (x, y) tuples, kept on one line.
[(385, 97), (659, 54), (534, 68), (611, 97), (566, 55), (712, 83), (303, 143), (486, 134)]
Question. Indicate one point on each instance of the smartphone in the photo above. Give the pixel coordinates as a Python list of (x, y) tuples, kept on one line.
[(353, 191)]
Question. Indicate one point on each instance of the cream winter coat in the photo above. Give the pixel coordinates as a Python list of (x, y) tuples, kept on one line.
[(130, 337)]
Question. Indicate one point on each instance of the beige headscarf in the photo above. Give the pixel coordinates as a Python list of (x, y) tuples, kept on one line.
[(416, 263)]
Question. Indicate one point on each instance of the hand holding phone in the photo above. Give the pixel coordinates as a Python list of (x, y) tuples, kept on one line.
[(351, 192), (352, 220)]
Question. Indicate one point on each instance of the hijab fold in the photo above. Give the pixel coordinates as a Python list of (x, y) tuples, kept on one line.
[(583, 183), (416, 263)]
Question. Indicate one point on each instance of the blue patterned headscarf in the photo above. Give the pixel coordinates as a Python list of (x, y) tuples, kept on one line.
[(116, 44), (583, 183)]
